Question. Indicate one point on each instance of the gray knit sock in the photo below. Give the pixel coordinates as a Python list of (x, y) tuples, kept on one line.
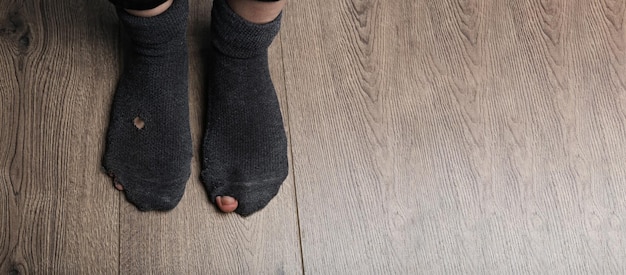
[(152, 163), (245, 147)]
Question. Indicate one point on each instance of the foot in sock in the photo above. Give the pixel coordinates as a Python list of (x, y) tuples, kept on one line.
[(148, 150), (245, 146)]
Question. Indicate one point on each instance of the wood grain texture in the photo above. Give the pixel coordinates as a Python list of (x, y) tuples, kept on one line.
[(458, 136), (447, 137), (194, 238), (57, 62)]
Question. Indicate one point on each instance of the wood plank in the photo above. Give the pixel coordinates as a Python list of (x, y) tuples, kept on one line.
[(333, 77), (194, 238), (458, 136), (58, 65)]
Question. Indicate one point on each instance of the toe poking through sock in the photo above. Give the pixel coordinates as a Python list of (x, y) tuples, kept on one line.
[(116, 184), (139, 123), (226, 204), (228, 200)]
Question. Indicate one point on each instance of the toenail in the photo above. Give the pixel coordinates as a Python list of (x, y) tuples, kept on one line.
[(139, 123), (119, 187), (228, 201)]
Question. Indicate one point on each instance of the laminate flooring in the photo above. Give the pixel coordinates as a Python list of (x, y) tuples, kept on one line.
[(426, 137)]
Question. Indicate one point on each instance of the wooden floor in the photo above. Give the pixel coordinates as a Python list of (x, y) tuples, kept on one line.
[(434, 137)]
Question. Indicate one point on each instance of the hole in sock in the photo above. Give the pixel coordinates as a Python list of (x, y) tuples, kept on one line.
[(117, 185), (139, 123)]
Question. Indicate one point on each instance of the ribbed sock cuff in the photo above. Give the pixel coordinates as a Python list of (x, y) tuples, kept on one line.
[(237, 37)]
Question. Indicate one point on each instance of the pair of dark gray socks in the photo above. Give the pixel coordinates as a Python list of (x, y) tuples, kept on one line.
[(244, 151)]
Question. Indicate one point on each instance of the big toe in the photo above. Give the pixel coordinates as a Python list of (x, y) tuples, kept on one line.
[(226, 204)]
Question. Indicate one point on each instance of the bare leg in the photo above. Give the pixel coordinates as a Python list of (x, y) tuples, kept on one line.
[(153, 12), (256, 11)]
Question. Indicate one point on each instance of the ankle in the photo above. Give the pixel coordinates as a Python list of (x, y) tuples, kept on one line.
[(153, 34), (257, 12), (152, 12)]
